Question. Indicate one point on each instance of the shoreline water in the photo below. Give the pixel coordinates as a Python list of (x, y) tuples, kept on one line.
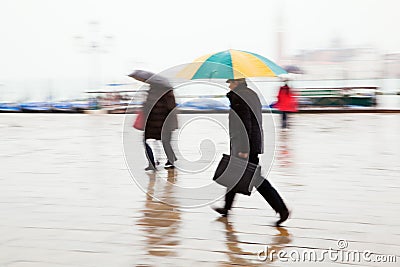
[(322, 110), (385, 104)]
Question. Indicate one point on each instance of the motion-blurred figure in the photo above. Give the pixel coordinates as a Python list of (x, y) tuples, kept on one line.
[(286, 103), (246, 140), (160, 115)]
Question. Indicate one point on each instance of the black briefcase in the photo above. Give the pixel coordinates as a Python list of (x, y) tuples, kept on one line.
[(237, 174)]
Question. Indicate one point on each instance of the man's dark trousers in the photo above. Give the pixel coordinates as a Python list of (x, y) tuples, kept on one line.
[(265, 189)]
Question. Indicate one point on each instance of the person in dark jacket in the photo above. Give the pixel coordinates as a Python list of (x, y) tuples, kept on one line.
[(159, 114), (246, 141), (160, 121)]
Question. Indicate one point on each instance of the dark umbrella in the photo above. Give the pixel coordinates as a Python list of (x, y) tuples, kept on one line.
[(150, 78), (293, 69)]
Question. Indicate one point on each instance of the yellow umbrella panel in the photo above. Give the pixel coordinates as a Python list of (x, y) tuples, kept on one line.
[(231, 64)]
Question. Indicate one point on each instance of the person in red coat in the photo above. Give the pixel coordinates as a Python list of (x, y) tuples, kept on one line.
[(286, 103)]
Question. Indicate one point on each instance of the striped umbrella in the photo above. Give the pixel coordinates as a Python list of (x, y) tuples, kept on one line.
[(231, 64)]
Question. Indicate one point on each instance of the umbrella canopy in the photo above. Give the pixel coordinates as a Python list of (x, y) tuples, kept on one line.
[(231, 64), (150, 78)]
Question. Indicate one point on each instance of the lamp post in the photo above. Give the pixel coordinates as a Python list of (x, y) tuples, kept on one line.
[(94, 44), (280, 33)]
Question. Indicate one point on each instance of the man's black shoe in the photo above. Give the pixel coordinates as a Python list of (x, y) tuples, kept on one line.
[(150, 168), (169, 165), (222, 211), (284, 216)]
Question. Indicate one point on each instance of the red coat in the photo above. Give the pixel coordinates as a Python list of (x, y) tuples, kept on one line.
[(286, 100)]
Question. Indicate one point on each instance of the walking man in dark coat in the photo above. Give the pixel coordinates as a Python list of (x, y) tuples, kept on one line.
[(246, 141)]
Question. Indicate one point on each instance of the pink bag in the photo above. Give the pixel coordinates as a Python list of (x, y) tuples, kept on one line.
[(139, 122)]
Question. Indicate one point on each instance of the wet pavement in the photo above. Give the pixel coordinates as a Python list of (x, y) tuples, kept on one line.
[(67, 198)]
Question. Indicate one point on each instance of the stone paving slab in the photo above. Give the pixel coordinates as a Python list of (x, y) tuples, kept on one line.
[(67, 197)]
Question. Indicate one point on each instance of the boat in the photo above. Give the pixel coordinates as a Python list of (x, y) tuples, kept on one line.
[(63, 106), (36, 107), (203, 104), (9, 107), (364, 96)]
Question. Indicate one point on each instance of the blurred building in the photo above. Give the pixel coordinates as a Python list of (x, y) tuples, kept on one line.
[(339, 63), (391, 66)]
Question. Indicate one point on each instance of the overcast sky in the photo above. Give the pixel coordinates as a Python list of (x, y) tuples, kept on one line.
[(38, 36)]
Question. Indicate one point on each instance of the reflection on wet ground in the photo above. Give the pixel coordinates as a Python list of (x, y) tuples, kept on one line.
[(161, 221), (67, 197), (284, 153)]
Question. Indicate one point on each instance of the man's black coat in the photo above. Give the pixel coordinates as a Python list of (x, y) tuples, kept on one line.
[(245, 121)]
